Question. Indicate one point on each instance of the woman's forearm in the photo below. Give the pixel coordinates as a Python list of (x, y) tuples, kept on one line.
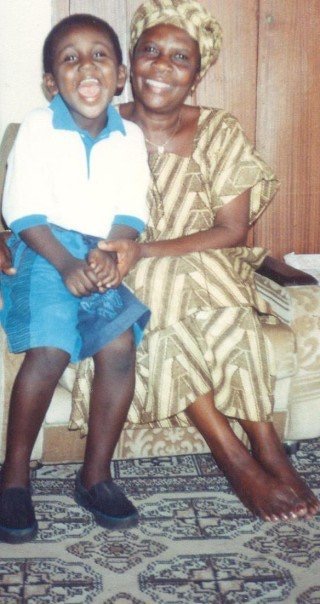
[(216, 238), (130, 252), (230, 230)]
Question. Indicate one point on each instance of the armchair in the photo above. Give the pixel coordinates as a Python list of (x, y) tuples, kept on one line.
[(294, 295)]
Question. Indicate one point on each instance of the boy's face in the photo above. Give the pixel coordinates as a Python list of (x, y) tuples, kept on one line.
[(86, 74)]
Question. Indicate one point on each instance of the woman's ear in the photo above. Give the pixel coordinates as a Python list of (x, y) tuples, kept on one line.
[(195, 83), (49, 84)]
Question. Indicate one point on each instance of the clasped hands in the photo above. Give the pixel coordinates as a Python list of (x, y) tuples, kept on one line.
[(99, 272), (104, 267)]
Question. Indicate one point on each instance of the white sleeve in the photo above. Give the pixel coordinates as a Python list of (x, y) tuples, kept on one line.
[(132, 201), (26, 190)]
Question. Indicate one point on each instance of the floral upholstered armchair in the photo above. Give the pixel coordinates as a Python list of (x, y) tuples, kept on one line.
[(294, 296)]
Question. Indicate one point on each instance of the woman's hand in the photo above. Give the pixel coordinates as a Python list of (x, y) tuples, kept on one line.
[(128, 253), (104, 265), (5, 255)]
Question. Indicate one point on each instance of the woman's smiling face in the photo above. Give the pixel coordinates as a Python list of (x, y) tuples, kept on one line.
[(164, 67)]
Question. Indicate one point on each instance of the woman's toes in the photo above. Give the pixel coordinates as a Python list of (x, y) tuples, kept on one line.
[(313, 510), (301, 510), (315, 504)]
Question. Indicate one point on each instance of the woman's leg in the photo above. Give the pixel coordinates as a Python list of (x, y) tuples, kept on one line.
[(30, 398), (261, 492), (268, 450), (112, 393)]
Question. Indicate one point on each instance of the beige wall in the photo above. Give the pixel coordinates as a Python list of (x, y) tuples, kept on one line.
[(23, 27)]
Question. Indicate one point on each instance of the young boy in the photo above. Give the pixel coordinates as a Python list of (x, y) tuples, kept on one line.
[(77, 173)]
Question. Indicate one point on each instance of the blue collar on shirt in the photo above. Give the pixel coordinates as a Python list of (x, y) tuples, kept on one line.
[(63, 120)]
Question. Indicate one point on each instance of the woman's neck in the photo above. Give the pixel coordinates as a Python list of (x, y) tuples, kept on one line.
[(173, 132), (151, 122)]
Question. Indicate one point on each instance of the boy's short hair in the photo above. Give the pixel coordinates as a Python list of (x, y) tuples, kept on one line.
[(77, 20)]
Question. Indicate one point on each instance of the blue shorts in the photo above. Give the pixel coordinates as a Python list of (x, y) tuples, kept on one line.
[(38, 309)]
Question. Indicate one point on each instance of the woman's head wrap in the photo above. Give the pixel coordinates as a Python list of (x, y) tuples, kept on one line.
[(189, 15)]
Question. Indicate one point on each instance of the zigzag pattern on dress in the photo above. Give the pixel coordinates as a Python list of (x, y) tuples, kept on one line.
[(205, 329)]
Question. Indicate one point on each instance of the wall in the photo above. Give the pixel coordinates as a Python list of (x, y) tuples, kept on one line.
[(288, 121), (268, 75), (23, 26)]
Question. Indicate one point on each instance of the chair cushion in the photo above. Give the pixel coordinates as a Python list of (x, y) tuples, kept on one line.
[(283, 342)]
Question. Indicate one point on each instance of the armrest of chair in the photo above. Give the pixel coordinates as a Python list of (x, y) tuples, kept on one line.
[(304, 416), (282, 273), (299, 308), (5, 148)]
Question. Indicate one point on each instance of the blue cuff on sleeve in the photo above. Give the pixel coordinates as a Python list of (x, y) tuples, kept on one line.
[(130, 221), (27, 222)]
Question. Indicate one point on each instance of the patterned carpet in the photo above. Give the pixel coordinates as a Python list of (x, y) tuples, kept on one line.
[(195, 543)]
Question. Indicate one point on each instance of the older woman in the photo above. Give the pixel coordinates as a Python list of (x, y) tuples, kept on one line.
[(204, 359)]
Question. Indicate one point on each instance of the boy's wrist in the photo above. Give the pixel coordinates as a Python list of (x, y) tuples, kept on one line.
[(63, 261)]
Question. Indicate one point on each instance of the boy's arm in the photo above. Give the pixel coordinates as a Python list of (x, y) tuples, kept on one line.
[(78, 278)]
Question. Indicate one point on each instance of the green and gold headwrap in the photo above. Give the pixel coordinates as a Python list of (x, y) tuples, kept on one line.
[(189, 15)]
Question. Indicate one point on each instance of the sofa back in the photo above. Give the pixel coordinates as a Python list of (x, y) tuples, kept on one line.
[(5, 148)]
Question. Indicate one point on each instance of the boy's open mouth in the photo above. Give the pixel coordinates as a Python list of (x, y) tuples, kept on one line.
[(89, 88)]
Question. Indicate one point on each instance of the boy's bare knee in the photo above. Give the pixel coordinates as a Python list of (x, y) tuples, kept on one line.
[(48, 361), (119, 355)]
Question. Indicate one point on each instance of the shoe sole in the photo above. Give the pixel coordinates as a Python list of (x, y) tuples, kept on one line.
[(10, 535), (110, 522)]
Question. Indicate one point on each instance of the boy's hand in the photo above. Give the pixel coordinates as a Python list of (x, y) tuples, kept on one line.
[(105, 269), (5, 255), (78, 278)]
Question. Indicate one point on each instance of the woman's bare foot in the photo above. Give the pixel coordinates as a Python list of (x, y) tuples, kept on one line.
[(268, 451), (282, 469), (266, 495)]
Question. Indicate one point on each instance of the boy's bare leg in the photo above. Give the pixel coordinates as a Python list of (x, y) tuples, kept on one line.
[(30, 398), (268, 450), (112, 393), (265, 494)]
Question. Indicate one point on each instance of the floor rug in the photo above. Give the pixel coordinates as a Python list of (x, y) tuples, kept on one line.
[(195, 544)]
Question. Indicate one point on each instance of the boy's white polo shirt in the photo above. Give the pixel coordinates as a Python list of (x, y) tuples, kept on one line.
[(59, 174)]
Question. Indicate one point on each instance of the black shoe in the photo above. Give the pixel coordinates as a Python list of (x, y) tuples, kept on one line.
[(108, 504), (17, 519)]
